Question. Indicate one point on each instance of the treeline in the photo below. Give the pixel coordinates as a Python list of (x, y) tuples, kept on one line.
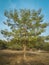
[(3, 44), (15, 44)]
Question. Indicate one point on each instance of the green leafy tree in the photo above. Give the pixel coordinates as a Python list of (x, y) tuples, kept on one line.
[(3, 44), (26, 26)]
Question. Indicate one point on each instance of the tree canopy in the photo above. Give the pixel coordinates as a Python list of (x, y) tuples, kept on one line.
[(25, 26)]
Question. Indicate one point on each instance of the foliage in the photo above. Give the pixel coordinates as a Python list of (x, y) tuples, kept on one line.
[(3, 44), (14, 45), (46, 47), (26, 26)]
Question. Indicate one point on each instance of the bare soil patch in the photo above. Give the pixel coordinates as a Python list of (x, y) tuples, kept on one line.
[(11, 57)]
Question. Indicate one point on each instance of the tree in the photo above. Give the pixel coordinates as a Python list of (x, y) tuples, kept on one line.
[(26, 26), (3, 44)]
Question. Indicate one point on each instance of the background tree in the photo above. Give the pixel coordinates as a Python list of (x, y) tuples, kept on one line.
[(3, 44), (26, 26)]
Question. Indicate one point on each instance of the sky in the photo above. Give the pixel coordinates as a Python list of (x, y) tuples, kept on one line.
[(24, 4)]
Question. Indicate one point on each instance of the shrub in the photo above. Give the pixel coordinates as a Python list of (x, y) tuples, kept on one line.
[(46, 46)]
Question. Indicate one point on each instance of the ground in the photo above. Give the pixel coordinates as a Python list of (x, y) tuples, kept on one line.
[(11, 57)]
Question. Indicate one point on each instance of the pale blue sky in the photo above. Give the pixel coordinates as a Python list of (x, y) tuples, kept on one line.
[(28, 4)]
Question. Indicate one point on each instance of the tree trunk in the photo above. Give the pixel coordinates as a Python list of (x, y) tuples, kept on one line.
[(24, 52)]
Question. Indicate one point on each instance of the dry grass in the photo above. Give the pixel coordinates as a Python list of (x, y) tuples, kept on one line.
[(8, 57)]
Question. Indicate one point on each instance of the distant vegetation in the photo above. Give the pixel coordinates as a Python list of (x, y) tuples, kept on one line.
[(3, 44), (14, 46)]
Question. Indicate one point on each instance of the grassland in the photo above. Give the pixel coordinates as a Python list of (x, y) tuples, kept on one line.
[(9, 57)]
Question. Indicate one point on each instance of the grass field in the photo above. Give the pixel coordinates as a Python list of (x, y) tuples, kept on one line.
[(9, 57)]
